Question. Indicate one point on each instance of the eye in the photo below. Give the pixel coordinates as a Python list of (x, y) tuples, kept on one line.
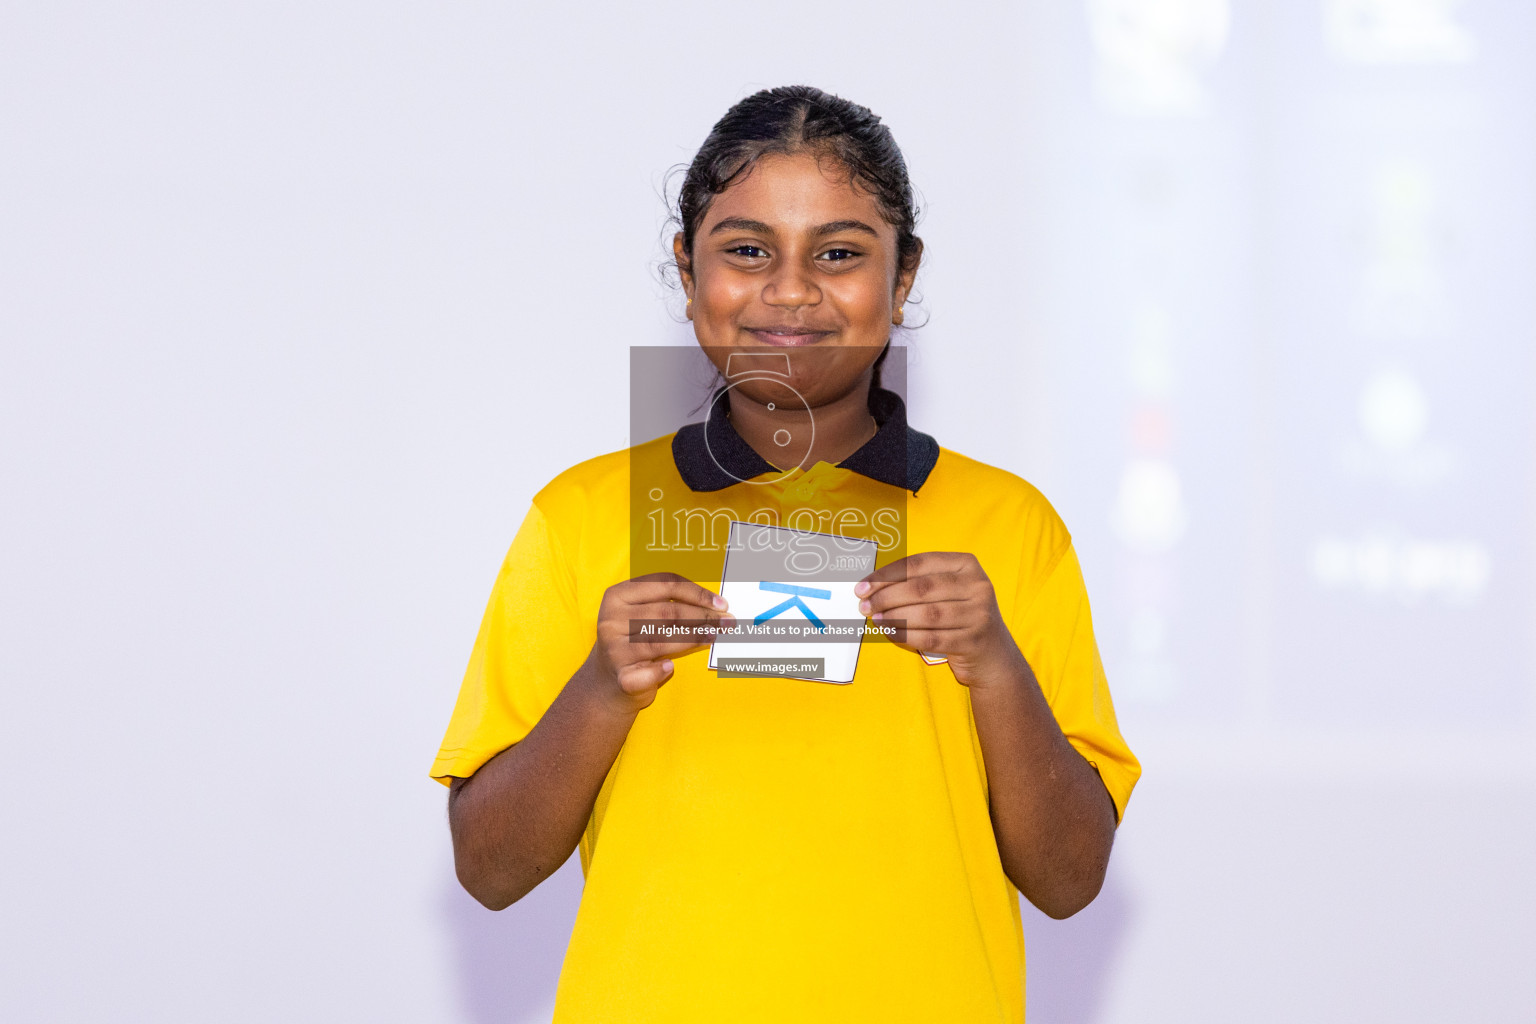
[(838, 255), (751, 252)]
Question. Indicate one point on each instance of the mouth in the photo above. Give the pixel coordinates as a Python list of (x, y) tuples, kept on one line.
[(787, 336)]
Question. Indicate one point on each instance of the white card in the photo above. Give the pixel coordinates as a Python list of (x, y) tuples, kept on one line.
[(780, 581)]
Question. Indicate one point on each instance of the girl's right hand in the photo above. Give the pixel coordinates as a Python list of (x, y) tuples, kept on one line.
[(628, 668)]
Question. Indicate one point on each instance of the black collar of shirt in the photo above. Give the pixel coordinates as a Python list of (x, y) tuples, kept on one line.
[(711, 456)]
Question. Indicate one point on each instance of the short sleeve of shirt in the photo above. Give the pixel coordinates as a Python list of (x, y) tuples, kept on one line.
[(1055, 632), (531, 641)]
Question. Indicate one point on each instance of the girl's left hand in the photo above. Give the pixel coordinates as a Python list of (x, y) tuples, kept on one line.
[(949, 608)]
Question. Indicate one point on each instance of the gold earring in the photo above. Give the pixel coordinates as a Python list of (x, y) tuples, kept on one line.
[(899, 316)]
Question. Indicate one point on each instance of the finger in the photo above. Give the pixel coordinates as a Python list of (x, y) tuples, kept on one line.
[(921, 564), (642, 648), (672, 614), (669, 586), (930, 615), (666, 630), (917, 590), (943, 642), (644, 675), (642, 653), (891, 572)]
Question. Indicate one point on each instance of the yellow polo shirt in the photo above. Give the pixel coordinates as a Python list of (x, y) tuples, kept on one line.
[(770, 849)]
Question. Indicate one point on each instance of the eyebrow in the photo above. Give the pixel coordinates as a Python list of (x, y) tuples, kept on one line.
[(830, 228)]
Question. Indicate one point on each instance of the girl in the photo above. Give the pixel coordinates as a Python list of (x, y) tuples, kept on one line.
[(781, 849)]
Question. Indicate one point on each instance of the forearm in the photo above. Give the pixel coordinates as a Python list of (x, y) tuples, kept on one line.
[(1053, 818), (517, 819)]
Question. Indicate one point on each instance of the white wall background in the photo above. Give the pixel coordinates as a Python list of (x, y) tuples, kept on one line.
[(300, 303)]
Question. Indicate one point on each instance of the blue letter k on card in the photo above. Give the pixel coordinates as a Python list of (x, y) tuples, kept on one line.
[(796, 593)]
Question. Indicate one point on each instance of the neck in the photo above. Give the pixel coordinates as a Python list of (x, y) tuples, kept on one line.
[(841, 427)]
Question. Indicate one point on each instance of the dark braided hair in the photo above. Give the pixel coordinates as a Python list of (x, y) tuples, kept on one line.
[(796, 119)]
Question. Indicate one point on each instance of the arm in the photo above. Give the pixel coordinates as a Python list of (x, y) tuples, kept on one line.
[(1054, 820), (1052, 816), (517, 819)]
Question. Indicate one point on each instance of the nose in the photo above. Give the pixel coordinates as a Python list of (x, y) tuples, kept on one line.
[(790, 286)]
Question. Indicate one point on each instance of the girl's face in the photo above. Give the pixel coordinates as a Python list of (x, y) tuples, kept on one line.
[(793, 258)]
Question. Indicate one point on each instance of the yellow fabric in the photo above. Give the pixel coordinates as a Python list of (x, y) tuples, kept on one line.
[(778, 849)]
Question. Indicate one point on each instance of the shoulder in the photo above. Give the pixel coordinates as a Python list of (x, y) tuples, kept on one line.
[(995, 503), (960, 478), (583, 513), (601, 481)]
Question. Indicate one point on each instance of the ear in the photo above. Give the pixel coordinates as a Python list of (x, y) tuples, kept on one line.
[(905, 278), (684, 270)]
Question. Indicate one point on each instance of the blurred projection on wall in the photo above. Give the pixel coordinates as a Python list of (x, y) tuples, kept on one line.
[(1149, 519), (1395, 445), (1151, 363), (1402, 290), (1397, 32), (1150, 54), (1148, 514), (1393, 412), (1147, 676), (1149, 507), (1406, 569)]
